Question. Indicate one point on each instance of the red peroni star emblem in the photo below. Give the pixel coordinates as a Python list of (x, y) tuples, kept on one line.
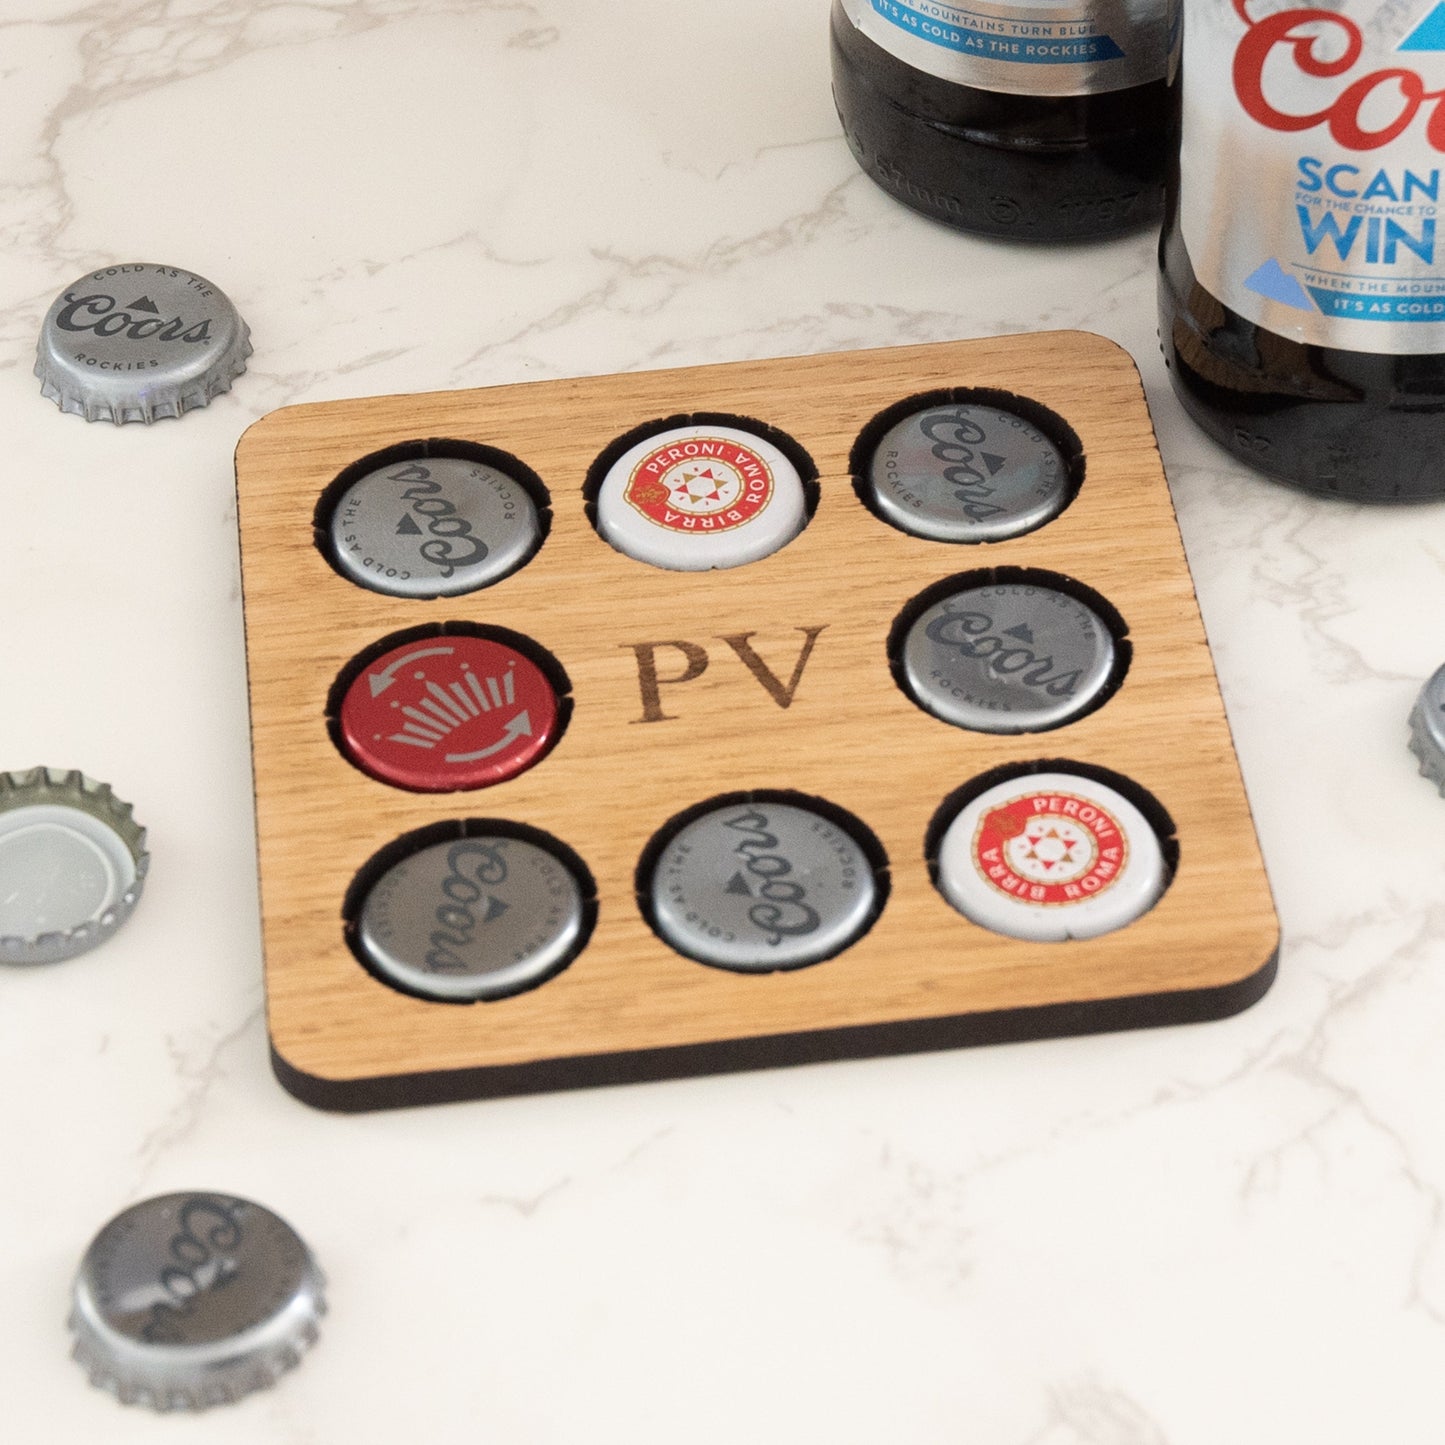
[(700, 484), (704, 485), (1049, 848)]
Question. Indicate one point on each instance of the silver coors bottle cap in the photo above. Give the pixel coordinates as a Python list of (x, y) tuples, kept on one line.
[(477, 918), (139, 342), (72, 864), (1427, 729), (1012, 658), (194, 1299), (433, 527), (762, 886), (960, 472)]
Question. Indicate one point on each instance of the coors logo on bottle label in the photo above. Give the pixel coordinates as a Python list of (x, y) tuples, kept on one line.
[(1035, 47), (1335, 114)]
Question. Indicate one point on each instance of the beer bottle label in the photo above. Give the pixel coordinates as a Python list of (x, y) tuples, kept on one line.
[(1314, 141), (1034, 47)]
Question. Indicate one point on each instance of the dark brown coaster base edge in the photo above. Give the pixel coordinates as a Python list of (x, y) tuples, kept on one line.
[(730, 1056)]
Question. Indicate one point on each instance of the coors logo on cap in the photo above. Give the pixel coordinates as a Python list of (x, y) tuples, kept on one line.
[(140, 320), (139, 342)]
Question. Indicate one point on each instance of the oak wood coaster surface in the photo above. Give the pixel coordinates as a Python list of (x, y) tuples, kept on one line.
[(796, 695)]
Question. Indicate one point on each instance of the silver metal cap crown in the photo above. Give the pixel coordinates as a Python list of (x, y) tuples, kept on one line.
[(191, 1300), (762, 886), (525, 919), (433, 527), (139, 342), (1009, 657), (73, 859), (1427, 729), (964, 472)]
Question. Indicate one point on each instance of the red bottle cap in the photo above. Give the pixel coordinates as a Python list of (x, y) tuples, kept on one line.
[(439, 714)]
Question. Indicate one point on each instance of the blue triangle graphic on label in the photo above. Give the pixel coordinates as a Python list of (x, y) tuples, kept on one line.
[(1429, 34), (1272, 282)]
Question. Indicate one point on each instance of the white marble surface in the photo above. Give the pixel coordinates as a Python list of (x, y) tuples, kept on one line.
[(1231, 1232)]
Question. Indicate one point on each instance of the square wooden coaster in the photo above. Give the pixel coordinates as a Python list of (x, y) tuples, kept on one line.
[(638, 750)]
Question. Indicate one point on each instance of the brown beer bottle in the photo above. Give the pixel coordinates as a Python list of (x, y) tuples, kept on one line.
[(1301, 298), (1046, 120)]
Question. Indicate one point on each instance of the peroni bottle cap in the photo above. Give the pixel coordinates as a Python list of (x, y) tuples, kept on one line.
[(1051, 856), (699, 497)]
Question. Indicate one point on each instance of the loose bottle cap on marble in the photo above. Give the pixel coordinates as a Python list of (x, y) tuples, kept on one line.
[(1427, 729), (700, 497), (434, 527), (1049, 857), (72, 864), (762, 886), (967, 473), (1008, 658), (477, 918), (190, 1300), (444, 713), (139, 342)]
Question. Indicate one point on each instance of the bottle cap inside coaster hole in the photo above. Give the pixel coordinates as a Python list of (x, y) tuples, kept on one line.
[(433, 527), (759, 886), (698, 497), (1051, 856), (473, 918), (966, 472), (442, 713), (1008, 658)]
